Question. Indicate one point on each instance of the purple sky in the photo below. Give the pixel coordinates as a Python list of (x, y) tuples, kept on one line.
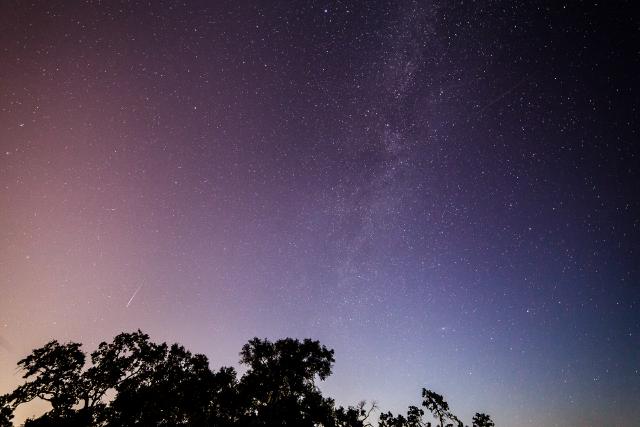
[(443, 192)]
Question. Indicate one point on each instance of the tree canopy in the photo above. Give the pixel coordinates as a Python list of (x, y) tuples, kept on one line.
[(133, 381)]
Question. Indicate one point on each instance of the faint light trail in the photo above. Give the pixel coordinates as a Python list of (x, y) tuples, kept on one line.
[(134, 295)]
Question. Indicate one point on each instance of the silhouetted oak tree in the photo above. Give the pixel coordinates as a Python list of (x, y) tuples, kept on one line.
[(6, 412), (132, 381), (54, 374), (482, 420), (279, 386)]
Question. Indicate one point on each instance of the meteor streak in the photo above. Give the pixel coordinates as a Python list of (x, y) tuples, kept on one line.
[(133, 296)]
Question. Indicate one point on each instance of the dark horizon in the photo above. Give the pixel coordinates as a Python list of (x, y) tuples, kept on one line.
[(442, 192), (133, 381)]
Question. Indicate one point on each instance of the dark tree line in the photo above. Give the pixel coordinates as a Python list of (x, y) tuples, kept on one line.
[(135, 382)]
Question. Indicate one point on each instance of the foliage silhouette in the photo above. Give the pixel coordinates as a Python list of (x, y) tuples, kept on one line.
[(55, 375), (133, 381), (280, 384), (354, 416), (439, 408), (6, 412), (482, 420)]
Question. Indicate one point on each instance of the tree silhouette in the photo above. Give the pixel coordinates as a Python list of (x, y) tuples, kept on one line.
[(389, 420), (133, 381), (170, 389), (54, 374), (354, 416), (482, 420), (413, 419), (438, 407), (156, 384), (6, 412), (280, 384)]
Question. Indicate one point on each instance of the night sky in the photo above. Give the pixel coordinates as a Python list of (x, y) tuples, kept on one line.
[(443, 192)]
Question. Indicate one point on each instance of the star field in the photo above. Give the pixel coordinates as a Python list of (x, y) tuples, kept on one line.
[(443, 192)]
